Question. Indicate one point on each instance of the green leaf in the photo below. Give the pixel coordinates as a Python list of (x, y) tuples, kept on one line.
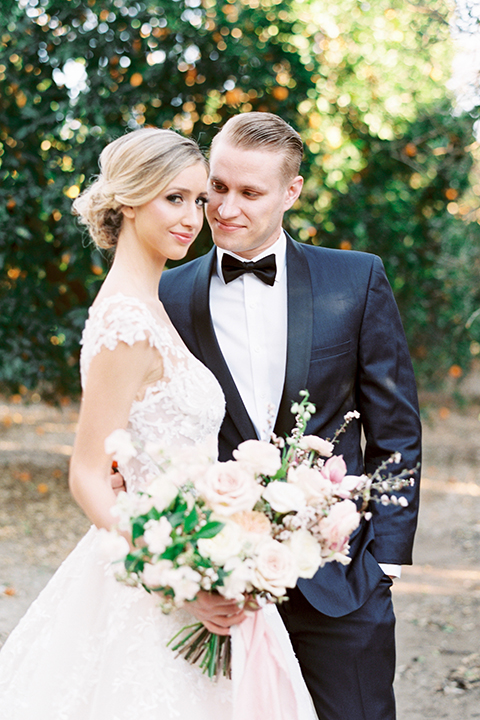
[(209, 530), (191, 520)]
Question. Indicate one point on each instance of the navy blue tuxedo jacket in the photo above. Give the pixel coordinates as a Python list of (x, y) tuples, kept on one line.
[(346, 345)]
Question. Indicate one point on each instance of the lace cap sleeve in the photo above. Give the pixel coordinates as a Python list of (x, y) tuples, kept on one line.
[(115, 319)]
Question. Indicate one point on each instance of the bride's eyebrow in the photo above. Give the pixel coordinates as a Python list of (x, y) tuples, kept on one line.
[(178, 190)]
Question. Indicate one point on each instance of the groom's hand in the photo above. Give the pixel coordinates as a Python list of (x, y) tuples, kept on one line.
[(215, 612), (118, 483)]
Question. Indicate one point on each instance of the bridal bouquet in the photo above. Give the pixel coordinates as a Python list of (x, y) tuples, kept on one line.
[(247, 528)]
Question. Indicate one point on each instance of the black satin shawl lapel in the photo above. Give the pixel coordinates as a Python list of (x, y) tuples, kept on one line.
[(299, 335), (211, 355)]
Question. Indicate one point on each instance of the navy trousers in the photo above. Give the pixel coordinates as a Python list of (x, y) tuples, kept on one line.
[(348, 662)]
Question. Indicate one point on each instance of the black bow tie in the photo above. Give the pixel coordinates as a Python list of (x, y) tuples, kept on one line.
[(264, 269)]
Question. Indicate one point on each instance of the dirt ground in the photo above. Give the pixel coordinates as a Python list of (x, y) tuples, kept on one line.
[(437, 600)]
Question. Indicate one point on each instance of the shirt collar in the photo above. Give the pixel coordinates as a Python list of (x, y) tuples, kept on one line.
[(279, 249)]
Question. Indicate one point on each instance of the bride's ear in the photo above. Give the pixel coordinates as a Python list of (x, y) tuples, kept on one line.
[(128, 212)]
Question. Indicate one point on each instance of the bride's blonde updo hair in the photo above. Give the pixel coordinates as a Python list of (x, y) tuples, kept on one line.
[(134, 169)]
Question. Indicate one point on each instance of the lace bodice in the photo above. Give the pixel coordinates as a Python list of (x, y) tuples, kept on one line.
[(185, 407)]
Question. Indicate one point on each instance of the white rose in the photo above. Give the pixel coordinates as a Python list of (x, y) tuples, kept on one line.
[(311, 442), (337, 527), (261, 458), (239, 580), (284, 497), (157, 535), (113, 547), (225, 545), (184, 581), (123, 509), (119, 444), (315, 486), (306, 551), (155, 575), (142, 503), (163, 492), (275, 568), (228, 488)]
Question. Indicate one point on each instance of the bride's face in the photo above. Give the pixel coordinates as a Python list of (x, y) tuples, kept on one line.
[(167, 225)]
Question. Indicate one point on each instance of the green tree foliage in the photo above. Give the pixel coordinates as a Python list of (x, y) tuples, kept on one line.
[(387, 163)]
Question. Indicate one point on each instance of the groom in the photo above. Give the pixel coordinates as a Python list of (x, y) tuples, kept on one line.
[(271, 317)]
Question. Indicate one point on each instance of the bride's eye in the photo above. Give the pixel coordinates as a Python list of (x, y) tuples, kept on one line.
[(175, 198), (201, 201)]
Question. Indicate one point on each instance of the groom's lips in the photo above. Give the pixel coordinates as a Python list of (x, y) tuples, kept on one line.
[(228, 227)]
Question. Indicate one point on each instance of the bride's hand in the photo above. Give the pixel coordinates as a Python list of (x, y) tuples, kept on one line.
[(215, 612)]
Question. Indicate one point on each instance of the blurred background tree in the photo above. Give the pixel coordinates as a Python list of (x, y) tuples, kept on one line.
[(389, 161)]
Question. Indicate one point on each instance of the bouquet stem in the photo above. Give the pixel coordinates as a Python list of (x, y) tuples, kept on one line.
[(212, 652)]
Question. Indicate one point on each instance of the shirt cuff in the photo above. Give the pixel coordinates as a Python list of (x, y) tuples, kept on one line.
[(392, 570)]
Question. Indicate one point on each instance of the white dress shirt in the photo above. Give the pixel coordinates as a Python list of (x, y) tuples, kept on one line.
[(250, 322)]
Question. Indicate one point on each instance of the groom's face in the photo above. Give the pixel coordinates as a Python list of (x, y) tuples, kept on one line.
[(248, 196)]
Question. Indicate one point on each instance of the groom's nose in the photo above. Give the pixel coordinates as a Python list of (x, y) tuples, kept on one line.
[(229, 207)]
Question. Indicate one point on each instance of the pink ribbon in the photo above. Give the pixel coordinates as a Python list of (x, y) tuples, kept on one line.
[(265, 689)]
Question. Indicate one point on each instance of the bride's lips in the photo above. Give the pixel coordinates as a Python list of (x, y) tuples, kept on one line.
[(183, 238)]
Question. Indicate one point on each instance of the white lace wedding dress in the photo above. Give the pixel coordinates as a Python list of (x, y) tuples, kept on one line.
[(90, 648)]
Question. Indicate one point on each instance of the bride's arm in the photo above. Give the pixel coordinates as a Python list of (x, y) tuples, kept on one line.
[(115, 377)]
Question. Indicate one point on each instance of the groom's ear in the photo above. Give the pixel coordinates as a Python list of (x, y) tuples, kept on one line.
[(292, 191)]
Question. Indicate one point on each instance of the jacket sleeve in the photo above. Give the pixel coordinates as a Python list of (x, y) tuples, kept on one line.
[(387, 401)]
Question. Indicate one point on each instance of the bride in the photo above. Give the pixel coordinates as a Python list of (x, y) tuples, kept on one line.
[(90, 648)]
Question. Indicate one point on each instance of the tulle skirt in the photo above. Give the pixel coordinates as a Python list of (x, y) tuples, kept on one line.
[(91, 648)]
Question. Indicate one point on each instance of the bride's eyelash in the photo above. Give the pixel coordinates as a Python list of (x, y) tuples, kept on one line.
[(174, 198), (202, 201)]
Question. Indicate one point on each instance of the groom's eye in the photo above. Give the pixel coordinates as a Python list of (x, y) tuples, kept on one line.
[(218, 187)]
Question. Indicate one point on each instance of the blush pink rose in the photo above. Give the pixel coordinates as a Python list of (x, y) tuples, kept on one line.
[(335, 469), (229, 488), (316, 487), (336, 529), (350, 485), (275, 568)]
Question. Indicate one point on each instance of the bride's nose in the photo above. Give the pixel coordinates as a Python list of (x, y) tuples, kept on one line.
[(193, 215)]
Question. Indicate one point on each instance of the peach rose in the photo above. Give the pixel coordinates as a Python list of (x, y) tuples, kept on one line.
[(252, 522)]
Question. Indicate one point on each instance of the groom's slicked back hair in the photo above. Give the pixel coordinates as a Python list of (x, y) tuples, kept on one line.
[(265, 131)]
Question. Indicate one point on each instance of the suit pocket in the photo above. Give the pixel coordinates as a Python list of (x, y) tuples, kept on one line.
[(331, 351)]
